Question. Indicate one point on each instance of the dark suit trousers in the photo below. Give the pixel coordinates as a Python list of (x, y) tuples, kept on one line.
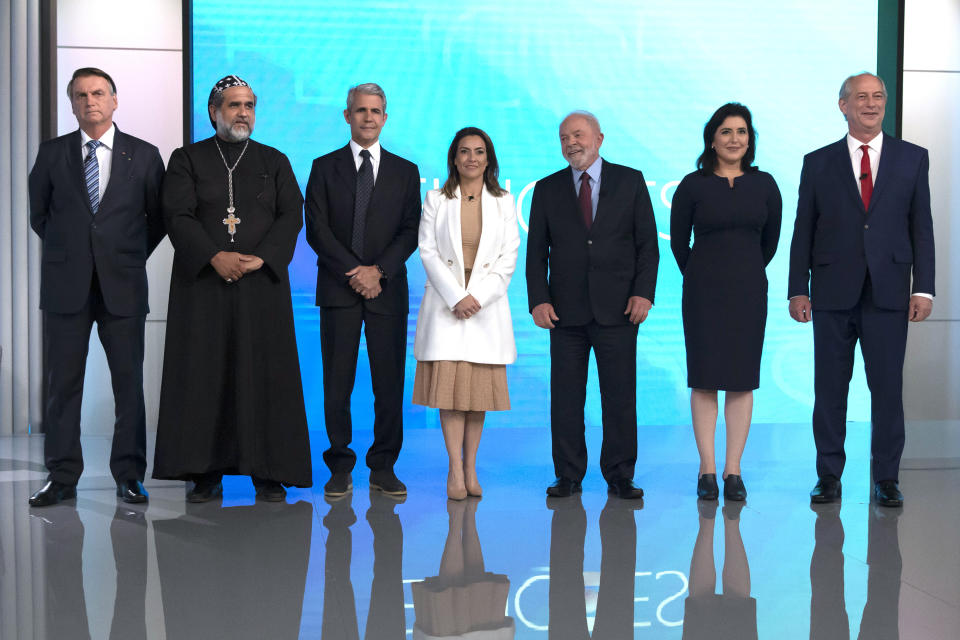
[(615, 348), (883, 340), (66, 338), (386, 349)]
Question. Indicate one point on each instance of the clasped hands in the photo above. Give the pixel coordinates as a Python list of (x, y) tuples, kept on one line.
[(466, 307), (917, 311), (231, 265), (365, 280), (638, 307)]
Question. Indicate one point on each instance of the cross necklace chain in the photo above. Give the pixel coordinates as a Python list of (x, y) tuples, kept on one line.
[(231, 221)]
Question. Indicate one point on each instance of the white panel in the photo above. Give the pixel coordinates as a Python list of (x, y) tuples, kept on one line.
[(150, 105), (96, 412), (153, 371), (929, 119), (931, 373), (158, 276), (142, 24), (930, 35), (96, 415)]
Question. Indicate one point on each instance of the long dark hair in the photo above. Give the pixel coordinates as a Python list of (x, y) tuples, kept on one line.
[(491, 174), (707, 161)]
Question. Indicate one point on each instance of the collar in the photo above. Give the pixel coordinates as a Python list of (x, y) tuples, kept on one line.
[(374, 150), (593, 171), (853, 144), (106, 139)]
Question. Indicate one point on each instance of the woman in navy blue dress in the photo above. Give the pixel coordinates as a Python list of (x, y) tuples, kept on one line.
[(734, 212)]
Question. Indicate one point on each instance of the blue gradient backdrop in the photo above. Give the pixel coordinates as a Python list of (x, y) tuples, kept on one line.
[(652, 72)]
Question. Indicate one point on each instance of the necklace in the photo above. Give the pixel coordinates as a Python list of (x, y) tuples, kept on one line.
[(231, 221)]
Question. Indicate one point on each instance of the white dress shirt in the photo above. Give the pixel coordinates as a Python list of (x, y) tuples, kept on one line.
[(856, 155), (374, 150), (104, 154)]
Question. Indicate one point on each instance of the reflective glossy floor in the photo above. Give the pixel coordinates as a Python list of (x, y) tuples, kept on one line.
[(511, 565)]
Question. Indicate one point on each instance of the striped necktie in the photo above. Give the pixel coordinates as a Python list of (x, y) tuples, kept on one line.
[(91, 174)]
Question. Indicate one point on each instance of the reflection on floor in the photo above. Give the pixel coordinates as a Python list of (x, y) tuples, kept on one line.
[(510, 565)]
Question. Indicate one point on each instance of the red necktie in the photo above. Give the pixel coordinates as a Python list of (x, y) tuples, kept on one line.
[(866, 177), (586, 200)]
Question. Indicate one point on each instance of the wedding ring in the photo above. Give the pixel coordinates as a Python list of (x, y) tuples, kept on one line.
[(229, 279)]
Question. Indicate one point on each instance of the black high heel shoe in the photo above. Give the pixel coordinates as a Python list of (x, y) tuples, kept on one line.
[(733, 488), (707, 488)]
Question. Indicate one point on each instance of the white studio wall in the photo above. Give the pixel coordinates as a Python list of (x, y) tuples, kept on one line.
[(140, 44), (931, 90)]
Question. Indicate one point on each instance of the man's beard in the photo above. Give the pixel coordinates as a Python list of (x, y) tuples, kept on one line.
[(234, 133)]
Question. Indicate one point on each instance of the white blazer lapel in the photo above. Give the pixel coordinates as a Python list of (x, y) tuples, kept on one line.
[(452, 215), (490, 214)]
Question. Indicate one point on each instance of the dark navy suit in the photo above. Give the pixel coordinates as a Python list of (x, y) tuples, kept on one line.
[(856, 266), (94, 270)]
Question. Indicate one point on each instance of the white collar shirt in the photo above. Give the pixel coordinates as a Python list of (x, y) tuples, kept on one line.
[(856, 154), (374, 150)]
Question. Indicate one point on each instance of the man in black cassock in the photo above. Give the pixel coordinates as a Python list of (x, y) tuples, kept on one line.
[(231, 400)]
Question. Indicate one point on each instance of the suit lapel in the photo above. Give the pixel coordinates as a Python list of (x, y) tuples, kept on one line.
[(843, 168), (888, 159), (75, 165), (384, 186), (347, 169), (572, 202), (454, 228), (489, 216), (606, 181), (122, 156)]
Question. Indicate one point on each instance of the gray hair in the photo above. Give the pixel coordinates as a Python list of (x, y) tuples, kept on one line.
[(589, 117), (847, 87), (369, 89)]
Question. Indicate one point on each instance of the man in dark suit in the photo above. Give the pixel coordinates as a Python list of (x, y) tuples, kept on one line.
[(94, 201), (362, 217), (591, 273), (863, 227)]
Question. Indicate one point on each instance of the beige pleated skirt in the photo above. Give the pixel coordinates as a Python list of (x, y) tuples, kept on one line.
[(461, 386)]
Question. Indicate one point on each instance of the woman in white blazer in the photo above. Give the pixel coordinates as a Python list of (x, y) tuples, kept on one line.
[(468, 244)]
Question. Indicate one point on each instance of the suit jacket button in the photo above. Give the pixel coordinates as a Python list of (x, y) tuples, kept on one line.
[(449, 262), (866, 226), (589, 241)]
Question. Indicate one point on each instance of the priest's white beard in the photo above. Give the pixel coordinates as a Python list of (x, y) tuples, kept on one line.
[(234, 133)]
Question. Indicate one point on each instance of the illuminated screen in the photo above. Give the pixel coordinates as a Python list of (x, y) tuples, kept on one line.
[(652, 72)]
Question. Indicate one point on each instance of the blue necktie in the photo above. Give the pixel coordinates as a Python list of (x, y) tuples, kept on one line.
[(91, 174)]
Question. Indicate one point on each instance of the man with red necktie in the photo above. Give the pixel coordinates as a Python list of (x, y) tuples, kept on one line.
[(863, 228)]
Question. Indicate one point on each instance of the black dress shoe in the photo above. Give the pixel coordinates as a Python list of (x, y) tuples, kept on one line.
[(827, 490), (205, 491), (385, 480), (132, 491), (269, 490), (52, 493), (707, 488), (887, 493), (564, 488), (624, 488), (733, 488), (338, 485)]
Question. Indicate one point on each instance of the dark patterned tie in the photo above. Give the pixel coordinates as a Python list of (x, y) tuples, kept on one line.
[(866, 177), (586, 199), (91, 174), (364, 189)]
